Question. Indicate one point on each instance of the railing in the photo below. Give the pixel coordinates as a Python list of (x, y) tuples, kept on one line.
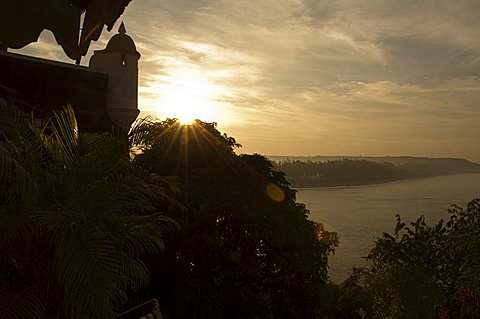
[(146, 310)]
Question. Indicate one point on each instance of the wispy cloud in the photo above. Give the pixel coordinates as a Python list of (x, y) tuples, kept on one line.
[(315, 76)]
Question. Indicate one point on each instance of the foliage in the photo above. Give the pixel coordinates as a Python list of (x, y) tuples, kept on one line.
[(76, 215), (350, 299), (246, 248), (427, 271)]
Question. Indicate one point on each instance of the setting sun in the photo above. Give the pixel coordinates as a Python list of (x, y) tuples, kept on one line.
[(187, 94)]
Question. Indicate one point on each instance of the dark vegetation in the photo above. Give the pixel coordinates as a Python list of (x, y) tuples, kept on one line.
[(76, 217), (343, 172), (84, 226), (87, 231), (420, 271), (245, 248)]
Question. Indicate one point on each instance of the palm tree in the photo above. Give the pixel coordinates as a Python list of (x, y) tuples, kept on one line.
[(76, 215)]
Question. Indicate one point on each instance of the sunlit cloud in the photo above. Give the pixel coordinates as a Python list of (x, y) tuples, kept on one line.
[(313, 77)]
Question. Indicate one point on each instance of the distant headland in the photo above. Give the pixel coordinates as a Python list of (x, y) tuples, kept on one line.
[(324, 171)]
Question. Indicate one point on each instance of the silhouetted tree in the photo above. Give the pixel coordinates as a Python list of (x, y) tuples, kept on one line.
[(424, 271), (246, 248)]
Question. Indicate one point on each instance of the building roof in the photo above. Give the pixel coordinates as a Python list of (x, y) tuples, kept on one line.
[(22, 21), (121, 42)]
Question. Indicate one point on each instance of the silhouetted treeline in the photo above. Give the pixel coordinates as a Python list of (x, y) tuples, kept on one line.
[(361, 172), (455, 164)]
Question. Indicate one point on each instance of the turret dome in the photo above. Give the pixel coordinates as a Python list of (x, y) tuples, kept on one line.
[(121, 42)]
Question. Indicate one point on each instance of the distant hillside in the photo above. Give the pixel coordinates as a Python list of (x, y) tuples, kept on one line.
[(343, 170)]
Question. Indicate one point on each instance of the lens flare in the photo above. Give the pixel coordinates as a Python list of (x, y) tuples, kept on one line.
[(275, 193)]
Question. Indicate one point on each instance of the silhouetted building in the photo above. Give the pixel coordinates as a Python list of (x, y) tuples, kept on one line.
[(102, 95), (120, 60)]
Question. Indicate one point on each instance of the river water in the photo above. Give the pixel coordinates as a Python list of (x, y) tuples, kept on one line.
[(360, 214)]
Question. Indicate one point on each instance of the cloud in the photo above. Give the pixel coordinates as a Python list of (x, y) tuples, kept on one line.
[(317, 76)]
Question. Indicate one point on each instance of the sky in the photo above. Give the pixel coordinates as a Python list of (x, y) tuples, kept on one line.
[(312, 77)]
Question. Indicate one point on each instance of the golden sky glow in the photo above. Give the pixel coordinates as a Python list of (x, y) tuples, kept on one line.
[(307, 77), (187, 90), (184, 94)]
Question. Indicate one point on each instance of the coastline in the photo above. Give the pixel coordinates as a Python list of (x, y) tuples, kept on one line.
[(338, 185)]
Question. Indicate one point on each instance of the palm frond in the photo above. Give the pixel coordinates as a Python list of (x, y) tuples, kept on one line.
[(15, 179), (14, 225), (93, 209), (142, 235), (141, 132), (89, 142), (23, 304), (63, 126), (13, 122), (87, 266), (134, 273), (143, 191), (54, 223)]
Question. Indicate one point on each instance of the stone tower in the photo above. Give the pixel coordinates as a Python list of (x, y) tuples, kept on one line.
[(120, 60)]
